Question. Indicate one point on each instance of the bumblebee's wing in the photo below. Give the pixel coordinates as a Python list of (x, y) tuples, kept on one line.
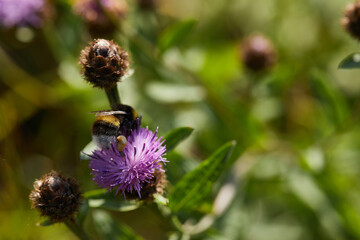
[(107, 113)]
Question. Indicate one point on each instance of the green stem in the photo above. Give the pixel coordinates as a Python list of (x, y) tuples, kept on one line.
[(77, 230), (252, 81), (176, 223), (113, 96)]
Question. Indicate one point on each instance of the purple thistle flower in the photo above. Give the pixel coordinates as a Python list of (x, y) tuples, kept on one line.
[(136, 165), (21, 12)]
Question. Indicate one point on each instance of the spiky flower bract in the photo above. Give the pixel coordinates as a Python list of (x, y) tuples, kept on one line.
[(21, 12), (103, 63), (132, 169), (56, 197)]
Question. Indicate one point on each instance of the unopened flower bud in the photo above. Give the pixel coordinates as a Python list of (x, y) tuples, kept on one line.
[(56, 197), (351, 19), (104, 63), (258, 53), (99, 14)]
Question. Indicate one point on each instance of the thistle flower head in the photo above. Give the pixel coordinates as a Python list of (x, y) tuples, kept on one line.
[(21, 12), (55, 196), (135, 169), (103, 62), (258, 53), (351, 19)]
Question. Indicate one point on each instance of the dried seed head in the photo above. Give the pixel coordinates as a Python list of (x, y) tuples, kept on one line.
[(351, 19), (155, 185), (103, 63), (56, 197), (98, 15), (258, 53)]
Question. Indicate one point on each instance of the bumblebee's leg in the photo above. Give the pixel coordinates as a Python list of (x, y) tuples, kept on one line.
[(121, 143)]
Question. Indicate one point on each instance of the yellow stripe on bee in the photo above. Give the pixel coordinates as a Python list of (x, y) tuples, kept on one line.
[(109, 119), (134, 114)]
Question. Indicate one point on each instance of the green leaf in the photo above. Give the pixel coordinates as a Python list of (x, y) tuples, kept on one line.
[(197, 184), (114, 205), (110, 201), (175, 34), (159, 199), (221, 62), (350, 62), (175, 136), (332, 100), (88, 149), (179, 166), (110, 229), (93, 194), (45, 223)]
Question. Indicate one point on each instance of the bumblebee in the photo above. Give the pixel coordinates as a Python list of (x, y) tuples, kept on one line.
[(114, 125)]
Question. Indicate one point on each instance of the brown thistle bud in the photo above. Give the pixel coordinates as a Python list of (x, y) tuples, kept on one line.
[(56, 197), (100, 14), (258, 53), (155, 185), (147, 4), (103, 63), (351, 19)]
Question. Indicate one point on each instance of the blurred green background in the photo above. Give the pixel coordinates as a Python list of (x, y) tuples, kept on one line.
[(297, 161)]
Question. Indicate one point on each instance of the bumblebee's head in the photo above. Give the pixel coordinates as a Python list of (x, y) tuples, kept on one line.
[(131, 114)]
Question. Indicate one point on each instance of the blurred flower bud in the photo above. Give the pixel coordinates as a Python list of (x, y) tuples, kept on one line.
[(351, 19), (258, 53), (24, 12), (103, 63), (56, 197), (99, 17), (147, 4)]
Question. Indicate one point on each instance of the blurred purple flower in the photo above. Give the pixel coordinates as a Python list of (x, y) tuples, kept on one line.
[(21, 12), (129, 170), (92, 12)]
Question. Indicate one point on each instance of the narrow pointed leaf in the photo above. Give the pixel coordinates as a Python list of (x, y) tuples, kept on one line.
[(93, 194), (174, 137), (197, 184), (332, 100), (114, 205), (45, 223), (175, 34), (180, 165), (351, 61), (159, 199)]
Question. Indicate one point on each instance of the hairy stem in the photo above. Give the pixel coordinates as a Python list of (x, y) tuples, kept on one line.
[(113, 96)]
